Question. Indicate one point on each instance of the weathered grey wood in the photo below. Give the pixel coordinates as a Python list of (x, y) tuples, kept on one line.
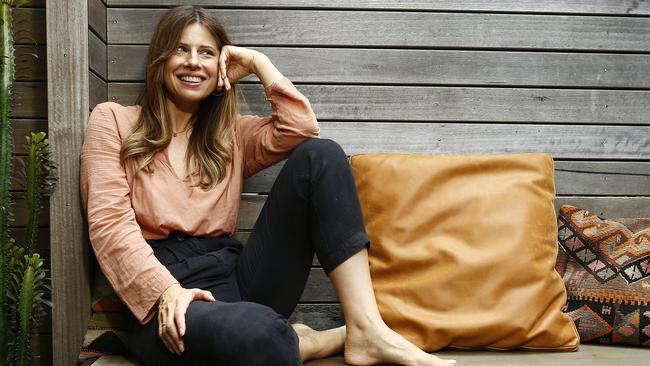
[(318, 288), (562, 141), (602, 178), (42, 349), (393, 103), (318, 316), (32, 28), (29, 100), (548, 6), (97, 18), (404, 29), (375, 66), (28, 67), (97, 55), (67, 54), (604, 206), (588, 355), (19, 208), (97, 89), (42, 242), (22, 128), (571, 177)]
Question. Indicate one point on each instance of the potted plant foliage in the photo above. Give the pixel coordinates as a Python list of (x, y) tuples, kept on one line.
[(23, 281)]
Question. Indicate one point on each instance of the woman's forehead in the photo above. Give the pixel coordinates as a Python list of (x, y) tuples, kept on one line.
[(197, 34)]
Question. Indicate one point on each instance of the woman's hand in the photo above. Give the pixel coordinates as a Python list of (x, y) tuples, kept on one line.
[(172, 306), (235, 63)]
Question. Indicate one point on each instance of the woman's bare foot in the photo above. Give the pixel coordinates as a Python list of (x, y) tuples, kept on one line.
[(318, 344), (379, 344)]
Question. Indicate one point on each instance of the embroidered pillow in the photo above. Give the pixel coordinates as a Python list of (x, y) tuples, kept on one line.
[(605, 266), (463, 249), (106, 333)]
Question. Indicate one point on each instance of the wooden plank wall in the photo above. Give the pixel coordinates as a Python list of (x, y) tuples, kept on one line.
[(568, 78), (29, 114), (72, 79)]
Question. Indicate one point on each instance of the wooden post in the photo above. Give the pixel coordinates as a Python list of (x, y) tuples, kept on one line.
[(67, 90)]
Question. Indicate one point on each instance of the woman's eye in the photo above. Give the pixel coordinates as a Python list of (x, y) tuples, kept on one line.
[(180, 49), (207, 52)]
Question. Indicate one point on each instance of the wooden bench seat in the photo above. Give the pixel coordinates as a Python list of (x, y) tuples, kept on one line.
[(588, 355)]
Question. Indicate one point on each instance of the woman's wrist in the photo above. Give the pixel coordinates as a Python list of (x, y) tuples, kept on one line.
[(265, 70)]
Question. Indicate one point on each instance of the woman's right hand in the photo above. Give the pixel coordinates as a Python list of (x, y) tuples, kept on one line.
[(172, 306)]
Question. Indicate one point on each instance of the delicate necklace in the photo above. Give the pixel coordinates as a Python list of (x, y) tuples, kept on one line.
[(186, 128)]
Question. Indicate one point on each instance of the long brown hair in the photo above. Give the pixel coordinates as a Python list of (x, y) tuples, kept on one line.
[(210, 142)]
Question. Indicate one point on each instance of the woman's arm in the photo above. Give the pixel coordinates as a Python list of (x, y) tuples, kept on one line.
[(267, 140), (124, 256)]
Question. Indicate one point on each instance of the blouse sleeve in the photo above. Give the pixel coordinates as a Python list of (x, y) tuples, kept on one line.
[(267, 140), (124, 256)]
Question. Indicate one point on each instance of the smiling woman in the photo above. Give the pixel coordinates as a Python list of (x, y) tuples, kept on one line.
[(194, 292)]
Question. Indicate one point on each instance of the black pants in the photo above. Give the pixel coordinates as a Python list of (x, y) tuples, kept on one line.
[(313, 207)]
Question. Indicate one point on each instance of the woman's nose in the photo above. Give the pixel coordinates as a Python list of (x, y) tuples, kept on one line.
[(192, 59)]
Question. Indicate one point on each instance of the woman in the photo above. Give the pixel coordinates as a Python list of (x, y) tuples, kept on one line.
[(161, 182)]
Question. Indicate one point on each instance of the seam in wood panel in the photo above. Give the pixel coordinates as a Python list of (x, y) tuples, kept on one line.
[(98, 76), (429, 48), (386, 10), (597, 172)]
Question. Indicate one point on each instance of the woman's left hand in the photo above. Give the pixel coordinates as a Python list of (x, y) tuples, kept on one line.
[(235, 63)]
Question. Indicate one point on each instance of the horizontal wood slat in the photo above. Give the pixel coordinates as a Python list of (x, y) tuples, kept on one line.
[(97, 18), (28, 67), (404, 29), (22, 128), (611, 207), (29, 100), (19, 208), (97, 89), (395, 103), (32, 29), (318, 316), (97, 55), (563, 142), (375, 66), (571, 177), (547, 6), (318, 288), (42, 350)]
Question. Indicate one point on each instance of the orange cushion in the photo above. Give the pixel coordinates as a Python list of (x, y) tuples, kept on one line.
[(463, 249)]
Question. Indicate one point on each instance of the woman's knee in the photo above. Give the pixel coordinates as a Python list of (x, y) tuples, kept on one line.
[(320, 147), (245, 333)]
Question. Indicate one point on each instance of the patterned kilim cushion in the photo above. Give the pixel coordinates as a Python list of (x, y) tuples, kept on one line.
[(605, 265), (106, 331)]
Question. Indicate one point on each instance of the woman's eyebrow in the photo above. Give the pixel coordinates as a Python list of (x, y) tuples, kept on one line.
[(201, 46)]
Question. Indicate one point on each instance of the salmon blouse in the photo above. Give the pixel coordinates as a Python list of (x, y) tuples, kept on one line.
[(124, 210)]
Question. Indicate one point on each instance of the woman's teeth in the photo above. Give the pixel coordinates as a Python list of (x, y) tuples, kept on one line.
[(191, 79)]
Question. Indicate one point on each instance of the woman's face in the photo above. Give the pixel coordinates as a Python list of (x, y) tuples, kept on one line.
[(191, 71)]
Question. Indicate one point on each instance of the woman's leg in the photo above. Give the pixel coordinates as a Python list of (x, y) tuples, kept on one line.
[(311, 208), (314, 207), (220, 333)]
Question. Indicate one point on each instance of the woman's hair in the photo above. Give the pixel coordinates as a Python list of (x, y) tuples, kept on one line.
[(210, 142)]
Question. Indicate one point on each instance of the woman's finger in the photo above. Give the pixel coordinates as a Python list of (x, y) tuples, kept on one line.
[(179, 318), (171, 328), (161, 328), (223, 57), (199, 294)]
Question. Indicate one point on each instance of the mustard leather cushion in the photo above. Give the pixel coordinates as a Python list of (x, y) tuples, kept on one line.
[(463, 249)]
